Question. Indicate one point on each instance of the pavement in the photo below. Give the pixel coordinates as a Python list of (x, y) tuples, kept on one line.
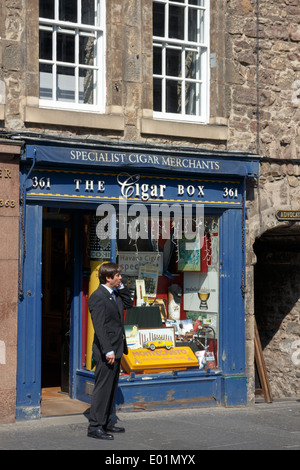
[(166, 436)]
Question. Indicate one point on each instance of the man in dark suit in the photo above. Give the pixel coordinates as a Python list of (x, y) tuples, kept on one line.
[(106, 306)]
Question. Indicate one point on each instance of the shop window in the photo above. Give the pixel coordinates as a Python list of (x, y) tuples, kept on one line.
[(180, 59), (175, 288), (71, 54)]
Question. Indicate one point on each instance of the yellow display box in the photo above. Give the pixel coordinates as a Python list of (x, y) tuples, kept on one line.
[(145, 360)]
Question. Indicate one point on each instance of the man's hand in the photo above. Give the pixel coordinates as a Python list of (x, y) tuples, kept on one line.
[(110, 359)]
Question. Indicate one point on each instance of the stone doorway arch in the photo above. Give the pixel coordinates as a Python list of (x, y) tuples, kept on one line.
[(271, 241), (277, 305)]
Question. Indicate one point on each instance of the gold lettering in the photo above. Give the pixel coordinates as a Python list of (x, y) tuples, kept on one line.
[(5, 173), (7, 203)]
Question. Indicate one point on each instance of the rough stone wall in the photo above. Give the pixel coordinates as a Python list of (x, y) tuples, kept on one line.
[(263, 88), (9, 255), (278, 189), (128, 70), (235, 79), (12, 60), (12, 92), (276, 78)]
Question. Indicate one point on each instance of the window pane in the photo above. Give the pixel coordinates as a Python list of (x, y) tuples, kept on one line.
[(87, 12), (199, 3), (68, 10), (65, 47), (86, 50), (176, 22), (196, 25), (157, 60), (157, 94), (45, 50), (192, 64), (46, 9), (158, 19), (173, 98), (86, 86), (65, 84), (174, 62), (46, 82), (193, 27), (191, 98)]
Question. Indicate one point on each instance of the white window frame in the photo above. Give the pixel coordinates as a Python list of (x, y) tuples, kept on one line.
[(99, 66), (204, 64)]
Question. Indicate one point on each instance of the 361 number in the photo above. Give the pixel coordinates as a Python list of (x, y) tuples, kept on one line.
[(231, 193), (41, 183)]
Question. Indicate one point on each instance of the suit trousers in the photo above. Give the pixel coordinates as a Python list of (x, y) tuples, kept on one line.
[(103, 397)]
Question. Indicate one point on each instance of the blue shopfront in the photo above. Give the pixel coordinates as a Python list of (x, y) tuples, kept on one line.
[(175, 221)]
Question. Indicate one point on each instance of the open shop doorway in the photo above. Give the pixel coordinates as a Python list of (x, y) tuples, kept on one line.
[(56, 301)]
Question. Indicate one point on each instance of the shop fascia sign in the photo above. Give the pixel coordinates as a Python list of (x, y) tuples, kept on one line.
[(99, 158), (84, 156), (110, 187), (138, 198)]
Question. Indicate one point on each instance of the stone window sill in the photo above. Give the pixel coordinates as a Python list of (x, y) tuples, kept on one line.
[(74, 119), (217, 129)]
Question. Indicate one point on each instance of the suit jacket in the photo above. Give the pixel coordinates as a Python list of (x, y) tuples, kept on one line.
[(108, 321)]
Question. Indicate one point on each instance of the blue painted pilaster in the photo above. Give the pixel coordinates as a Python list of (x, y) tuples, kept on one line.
[(29, 319)]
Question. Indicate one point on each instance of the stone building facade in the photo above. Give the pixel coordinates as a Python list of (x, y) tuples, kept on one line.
[(9, 258), (254, 108), (264, 117)]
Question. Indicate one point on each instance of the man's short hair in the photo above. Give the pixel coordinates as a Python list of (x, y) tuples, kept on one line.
[(108, 270)]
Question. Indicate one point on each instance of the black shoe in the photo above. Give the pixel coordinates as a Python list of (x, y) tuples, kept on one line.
[(99, 433), (114, 429)]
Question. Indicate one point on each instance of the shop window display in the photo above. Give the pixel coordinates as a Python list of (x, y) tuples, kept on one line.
[(174, 323)]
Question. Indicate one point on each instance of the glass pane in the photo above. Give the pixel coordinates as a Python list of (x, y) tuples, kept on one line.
[(192, 64), (68, 10), (46, 82), (158, 19), (198, 283), (157, 60), (65, 47), (176, 22), (201, 295), (199, 3), (174, 62), (46, 9), (196, 25), (65, 84), (173, 96), (157, 94), (191, 98), (88, 12), (86, 50), (86, 86), (45, 50), (193, 24)]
